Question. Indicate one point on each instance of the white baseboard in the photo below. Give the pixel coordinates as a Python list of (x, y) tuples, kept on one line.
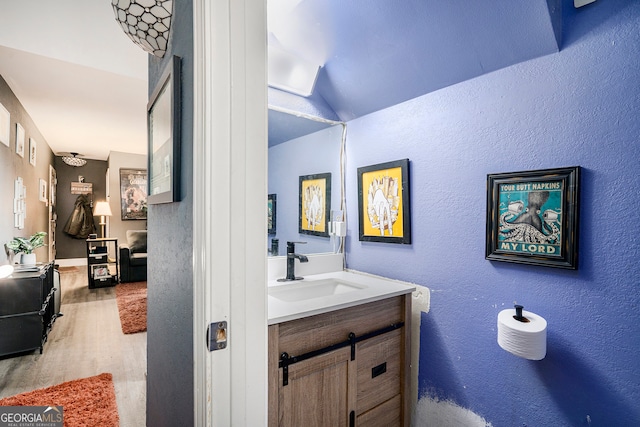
[(71, 262)]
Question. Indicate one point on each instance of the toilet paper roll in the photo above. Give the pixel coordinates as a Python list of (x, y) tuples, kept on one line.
[(526, 339)]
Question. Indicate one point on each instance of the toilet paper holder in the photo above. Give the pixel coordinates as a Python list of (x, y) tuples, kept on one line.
[(519, 317), (523, 334)]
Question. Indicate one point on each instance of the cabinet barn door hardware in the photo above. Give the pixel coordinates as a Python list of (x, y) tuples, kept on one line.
[(286, 360)]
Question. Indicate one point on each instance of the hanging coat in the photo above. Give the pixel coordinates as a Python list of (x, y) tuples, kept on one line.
[(80, 223)]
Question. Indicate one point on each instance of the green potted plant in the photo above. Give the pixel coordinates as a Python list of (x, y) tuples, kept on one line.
[(26, 246)]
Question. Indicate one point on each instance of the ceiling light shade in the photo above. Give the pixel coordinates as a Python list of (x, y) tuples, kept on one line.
[(291, 73), (102, 208), (74, 161), (146, 22)]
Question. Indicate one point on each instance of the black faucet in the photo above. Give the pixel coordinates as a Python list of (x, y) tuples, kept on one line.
[(291, 259)]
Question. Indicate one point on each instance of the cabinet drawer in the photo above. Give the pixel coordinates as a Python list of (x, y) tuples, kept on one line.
[(97, 258), (322, 330), (379, 369), (20, 296), (102, 282), (385, 415), (20, 333)]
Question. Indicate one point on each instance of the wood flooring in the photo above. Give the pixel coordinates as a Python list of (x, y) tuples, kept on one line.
[(87, 340)]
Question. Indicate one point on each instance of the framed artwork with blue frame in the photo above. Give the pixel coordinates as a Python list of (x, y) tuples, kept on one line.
[(532, 217)]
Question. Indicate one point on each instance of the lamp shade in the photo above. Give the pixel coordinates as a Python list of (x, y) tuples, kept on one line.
[(102, 208), (146, 22)]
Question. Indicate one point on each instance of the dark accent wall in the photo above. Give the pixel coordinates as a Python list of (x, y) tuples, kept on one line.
[(93, 172), (170, 357), (13, 166)]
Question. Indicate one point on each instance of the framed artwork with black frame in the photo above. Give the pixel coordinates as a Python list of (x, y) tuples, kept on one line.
[(383, 202), (163, 124), (271, 213), (315, 204), (133, 194), (532, 217)]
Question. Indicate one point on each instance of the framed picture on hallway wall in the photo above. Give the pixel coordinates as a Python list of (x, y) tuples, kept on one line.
[(5, 125), (19, 140), (383, 202), (32, 151), (163, 122), (315, 204), (532, 217), (133, 194), (42, 191)]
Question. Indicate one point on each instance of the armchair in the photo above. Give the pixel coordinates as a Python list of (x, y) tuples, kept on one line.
[(133, 257)]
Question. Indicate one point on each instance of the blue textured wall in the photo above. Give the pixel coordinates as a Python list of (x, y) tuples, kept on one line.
[(580, 106)]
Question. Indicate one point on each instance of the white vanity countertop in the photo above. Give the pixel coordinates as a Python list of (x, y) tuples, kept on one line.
[(356, 288)]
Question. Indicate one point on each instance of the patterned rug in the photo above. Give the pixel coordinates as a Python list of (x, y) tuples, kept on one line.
[(85, 402), (132, 306)]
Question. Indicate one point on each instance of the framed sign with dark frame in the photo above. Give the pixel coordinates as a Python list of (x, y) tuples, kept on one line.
[(383, 202), (532, 217), (133, 194), (315, 204), (163, 124), (271, 213)]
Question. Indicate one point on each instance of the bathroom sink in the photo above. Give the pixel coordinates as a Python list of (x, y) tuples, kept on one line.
[(305, 290)]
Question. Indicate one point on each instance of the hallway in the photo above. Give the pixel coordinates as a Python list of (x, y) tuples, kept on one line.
[(87, 340)]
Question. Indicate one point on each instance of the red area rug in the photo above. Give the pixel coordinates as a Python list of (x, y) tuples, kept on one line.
[(85, 402), (132, 306)]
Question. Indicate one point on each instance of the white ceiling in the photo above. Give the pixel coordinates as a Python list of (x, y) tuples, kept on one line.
[(80, 78), (84, 83)]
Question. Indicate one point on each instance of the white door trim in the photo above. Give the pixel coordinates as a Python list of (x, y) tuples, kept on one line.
[(229, 212)]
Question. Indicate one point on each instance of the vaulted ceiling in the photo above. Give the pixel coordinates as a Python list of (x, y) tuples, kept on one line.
[(85, 84)]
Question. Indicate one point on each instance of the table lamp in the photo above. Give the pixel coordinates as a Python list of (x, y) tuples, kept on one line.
[(103, 209)]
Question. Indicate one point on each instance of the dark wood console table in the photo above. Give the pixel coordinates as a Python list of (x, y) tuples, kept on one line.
[(26, 309)]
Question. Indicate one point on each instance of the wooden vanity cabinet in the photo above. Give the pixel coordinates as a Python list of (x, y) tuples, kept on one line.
[(360, 380)]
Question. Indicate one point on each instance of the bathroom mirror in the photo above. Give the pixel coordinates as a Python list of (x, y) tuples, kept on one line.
[(300, 145)]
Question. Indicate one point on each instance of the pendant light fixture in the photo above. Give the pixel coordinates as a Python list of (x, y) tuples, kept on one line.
[(146, 22), (74, 161)]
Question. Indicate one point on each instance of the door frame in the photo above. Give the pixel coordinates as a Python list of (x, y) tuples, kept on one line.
[(229, 212), (53, 214)]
